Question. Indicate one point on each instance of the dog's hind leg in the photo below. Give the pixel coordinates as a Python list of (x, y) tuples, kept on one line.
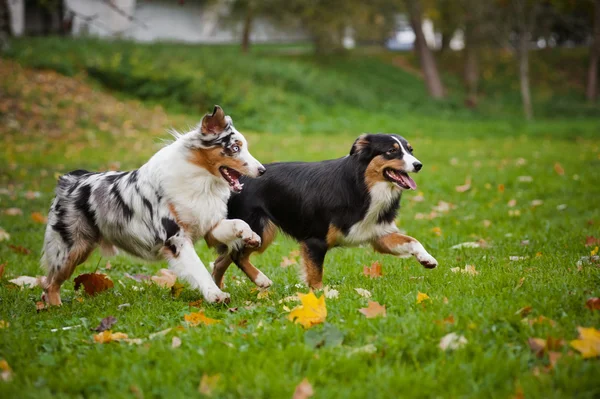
[(220, 267), (313, 253), (404, 246), (242, 260)]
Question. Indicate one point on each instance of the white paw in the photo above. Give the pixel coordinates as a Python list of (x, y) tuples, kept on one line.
[(263, 281), (427, 260), (248, 237), (215, 295)]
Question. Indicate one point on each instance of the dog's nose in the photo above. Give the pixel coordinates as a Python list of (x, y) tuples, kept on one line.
[(261, 170), (417, 166)]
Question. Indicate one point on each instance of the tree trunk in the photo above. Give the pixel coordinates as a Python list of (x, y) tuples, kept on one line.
[(428, 65), (247, 29), (523, 55), (471, 52), (592, 83), (445, 42)]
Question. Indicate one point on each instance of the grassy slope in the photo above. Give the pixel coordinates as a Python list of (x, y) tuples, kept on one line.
[(53, 124)]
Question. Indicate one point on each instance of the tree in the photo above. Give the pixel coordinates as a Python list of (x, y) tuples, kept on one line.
[(592, 81), (426, 58), (5, 24)]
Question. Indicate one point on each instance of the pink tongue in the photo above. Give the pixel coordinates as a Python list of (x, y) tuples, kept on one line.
[(409, 182)]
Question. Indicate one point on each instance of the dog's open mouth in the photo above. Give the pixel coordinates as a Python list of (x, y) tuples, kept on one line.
[(400, 178), (233, 178)]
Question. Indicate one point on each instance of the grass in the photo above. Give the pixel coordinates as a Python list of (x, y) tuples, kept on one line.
[(52, 124)]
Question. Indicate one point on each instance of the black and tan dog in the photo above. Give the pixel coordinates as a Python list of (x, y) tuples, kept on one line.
[(342, 202)]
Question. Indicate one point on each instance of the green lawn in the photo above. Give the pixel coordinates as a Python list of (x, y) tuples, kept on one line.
[(51, 124)]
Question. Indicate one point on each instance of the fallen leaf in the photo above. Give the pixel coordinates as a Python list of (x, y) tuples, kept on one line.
[(28, 281), (263, 293), (208, 383), (19, 249), (470, 244), (437, 231), (469, 269), (422, 297), (165, 278), (593, 304), (175, 342), (331, 293), (196, 304), (362, 292), (4, 235), (312, 311), (2, 269), (374, 309), (447, 320), (590, 241), (285, 262), (520, 283), (39, 218), (303, 390), (537, 346), (108, 336), (13, 212), (93, 283), (295, 253), (464, 187), (106, 324), (6, 373), (177, 289), (161, 333), (516, 258), (559, 169), (374, 271), (452, 341), (594, 251), (4, 324), (327, 337), (536, 202), (196, 318), (512, 203), (501, 188), (588, 342), (539, 320)]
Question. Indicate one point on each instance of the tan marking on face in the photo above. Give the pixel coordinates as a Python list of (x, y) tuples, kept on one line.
[(396, 146), (333, 235), (313, 274), (213, 158), (387, 243), (374, 172)]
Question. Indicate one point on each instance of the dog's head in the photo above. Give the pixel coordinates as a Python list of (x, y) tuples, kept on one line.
[(223, 151), (388, 158)]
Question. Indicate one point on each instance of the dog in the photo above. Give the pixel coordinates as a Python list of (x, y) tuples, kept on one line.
[(155, 212), (342, 202)]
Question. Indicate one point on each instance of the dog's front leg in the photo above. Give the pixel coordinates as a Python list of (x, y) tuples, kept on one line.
[(184, 261), (404, 246), (231, 231)]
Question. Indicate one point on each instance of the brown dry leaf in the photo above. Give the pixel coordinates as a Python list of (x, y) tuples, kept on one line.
[(312, 311), (464, 187), (593, 304), (501, 188), (2, 269), (588, 343), (524, 311), (590, 241), (304, 390), (208, 383), (374, 309), (165, 278), (373, 271), (196, 318), (559, 169), (285, 262), (539, 320), (108, 336), (196, 304), (537, 346), (447, 320), (13, 212), (106, 324), (93, 283), (19, 249), (6, 373), (39, 218)]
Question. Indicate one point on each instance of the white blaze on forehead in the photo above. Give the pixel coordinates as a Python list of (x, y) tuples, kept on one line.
[(407, 157)]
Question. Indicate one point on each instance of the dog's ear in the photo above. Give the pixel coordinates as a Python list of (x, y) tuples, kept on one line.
[(215, 123), (361, 144)]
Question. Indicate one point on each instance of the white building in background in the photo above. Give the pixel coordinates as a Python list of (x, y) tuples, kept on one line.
[(187, 21)]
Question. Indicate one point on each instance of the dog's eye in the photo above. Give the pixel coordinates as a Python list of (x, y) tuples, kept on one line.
[(410, 149), (393, 150), (235, 148)]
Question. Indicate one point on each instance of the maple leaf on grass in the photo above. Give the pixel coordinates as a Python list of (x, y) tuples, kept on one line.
[(373, 271), (165, 278), (108, 336), (588, 343), (374, 309), (93, 283), (39, 218), (196, 318), (5, 371), (591, 241), (106, 324), (421, 296), (312, 311), (304, 390), (593, 304)]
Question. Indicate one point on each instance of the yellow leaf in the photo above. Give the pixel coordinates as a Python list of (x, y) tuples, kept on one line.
[(262, 293), (594, 252), (197, 318), (108, 336), (437, 231), (5, 371), (4, 324), (311, 312), (38, 217), (208, 383), (422, 297), (588, 343)]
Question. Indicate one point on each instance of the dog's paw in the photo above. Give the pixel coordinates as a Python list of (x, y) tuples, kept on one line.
[(427, 261), (248, 237), (263, 281), (253, 241), (215, 295)]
